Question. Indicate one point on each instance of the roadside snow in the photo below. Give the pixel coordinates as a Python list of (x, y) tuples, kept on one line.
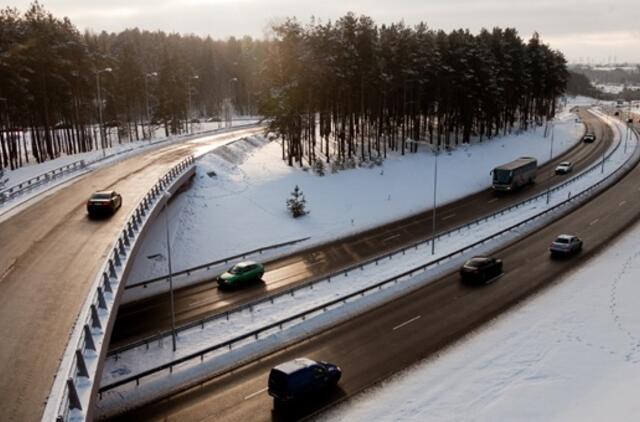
[(569, 354), (237, 201)]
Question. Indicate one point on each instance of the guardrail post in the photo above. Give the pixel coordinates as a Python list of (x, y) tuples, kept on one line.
[(121, 245), (74, 399), (88, 338), (112, 268), (101, 302), (125, 235), (129, 228), (116, 257), (106, 283), (95, 319), (81, 364)]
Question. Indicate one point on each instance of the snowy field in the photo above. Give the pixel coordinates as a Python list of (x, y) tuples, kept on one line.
[(242, 206), (572, 353)]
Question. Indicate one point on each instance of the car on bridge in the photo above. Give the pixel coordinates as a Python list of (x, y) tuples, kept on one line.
[(103, 203), (481, 269), (240, 274), (588, 138), (564, 167), (301, 379), (565, 245)]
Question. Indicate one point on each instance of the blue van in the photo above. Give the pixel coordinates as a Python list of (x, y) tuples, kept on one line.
[(301, 378)]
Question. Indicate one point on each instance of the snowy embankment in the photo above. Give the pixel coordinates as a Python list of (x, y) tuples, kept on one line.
[(237, 201), (571, 353), (94, 160), (220, 330)]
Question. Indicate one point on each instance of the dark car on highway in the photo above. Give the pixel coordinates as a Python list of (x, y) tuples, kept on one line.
[(589, 138), (104, 203), (481, 269), (301, 379), (565, 245), (240, 274)]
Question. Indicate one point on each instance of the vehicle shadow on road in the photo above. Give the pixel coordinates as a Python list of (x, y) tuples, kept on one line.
[(307, 408)]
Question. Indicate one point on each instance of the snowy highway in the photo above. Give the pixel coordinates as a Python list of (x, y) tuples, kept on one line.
[(141, 319), (415, 326)]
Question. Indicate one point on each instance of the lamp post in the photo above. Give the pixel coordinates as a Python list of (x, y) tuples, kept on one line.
[(167, 197), (436, 152), (146, 95), (102, 132), (194, 77), (228, 111), (550, 159)]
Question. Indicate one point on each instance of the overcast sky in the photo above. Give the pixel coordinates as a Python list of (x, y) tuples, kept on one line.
[(596, 30)]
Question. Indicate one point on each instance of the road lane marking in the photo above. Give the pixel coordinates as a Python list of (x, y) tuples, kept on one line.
[(407, 322), (594, 221), (622, 203), (391, 237), (252, 395), (492, 200), (448, 216)]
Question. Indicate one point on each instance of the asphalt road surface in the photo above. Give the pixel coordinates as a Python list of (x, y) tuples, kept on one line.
[(150, 316), (392, 337), (49, 255)]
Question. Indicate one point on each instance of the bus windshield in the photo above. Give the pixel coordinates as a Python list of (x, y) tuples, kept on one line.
[(502, 176)]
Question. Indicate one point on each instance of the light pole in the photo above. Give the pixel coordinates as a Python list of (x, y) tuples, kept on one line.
[(146, 95), (229, 111), (194, 77), (436, 152), (550, 159), (102, 133), (167, 197)]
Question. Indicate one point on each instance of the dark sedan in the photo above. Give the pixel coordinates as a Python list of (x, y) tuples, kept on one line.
[(481, 269), (104, 203)]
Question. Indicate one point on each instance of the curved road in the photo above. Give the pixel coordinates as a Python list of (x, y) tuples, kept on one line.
[(49, 255), (147, 317), (376, 344)]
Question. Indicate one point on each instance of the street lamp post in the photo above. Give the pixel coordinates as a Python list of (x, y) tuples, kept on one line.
[(102, 132), (228, 112), (146, 95), (436, 152), (550, 159), (167, 197)]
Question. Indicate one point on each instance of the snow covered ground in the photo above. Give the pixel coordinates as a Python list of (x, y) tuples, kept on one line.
[(572, 353), (196, 339), (242, 206)]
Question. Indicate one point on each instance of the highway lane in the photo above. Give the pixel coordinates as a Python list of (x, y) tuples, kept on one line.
[(390, 338), (49, 255), (144, 318)]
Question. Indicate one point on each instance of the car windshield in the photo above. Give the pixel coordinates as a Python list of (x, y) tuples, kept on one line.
[(476, 262), (565, 164), (562, 240), (101, 195), (236, 269), (502, 176)]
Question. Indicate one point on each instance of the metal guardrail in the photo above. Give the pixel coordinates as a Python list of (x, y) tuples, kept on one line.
[(374, 260), (22, 187), (255, 334), (94, 317), (208, 265)]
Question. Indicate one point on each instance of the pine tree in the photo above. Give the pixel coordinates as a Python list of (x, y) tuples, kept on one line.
[(296, 204)]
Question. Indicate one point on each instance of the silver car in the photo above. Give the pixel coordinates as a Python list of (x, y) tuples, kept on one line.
[(564, 167), (565, 244)]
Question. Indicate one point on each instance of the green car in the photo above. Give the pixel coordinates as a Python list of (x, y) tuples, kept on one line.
[(241, 273)]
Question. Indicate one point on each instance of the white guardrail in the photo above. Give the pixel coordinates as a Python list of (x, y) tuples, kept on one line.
[(275, 326), (42, 179), (77, 381)]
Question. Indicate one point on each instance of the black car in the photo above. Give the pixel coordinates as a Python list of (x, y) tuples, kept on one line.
[(104, 203), (588, 138), (481, 269), (301, 379)]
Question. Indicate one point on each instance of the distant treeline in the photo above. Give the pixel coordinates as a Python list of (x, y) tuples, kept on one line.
[(369, 88), (580, 78), (48, 84)]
